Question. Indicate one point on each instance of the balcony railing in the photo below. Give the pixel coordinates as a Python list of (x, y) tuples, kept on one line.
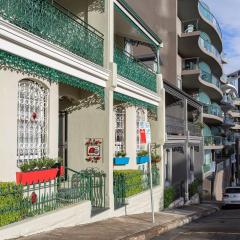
[(213, 141), (194, 129), (210, 49), (205, 13), (174, 126), (193, 64), (213, 110), (54, 23), (130, 68)]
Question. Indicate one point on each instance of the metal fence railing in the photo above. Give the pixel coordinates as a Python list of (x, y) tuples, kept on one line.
[(18, 202)]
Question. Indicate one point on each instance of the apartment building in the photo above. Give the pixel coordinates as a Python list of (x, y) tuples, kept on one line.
[(71, 87)]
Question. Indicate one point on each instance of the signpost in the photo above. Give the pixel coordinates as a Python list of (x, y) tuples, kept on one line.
[(148, 141)]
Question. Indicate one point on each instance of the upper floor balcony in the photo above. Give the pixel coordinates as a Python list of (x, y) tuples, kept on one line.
[(213, 142), (195, 74), (198, 44), (213, 114), (204, 18), (131, 68), (54, 23)]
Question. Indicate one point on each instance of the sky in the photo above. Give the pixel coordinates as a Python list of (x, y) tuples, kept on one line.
[(228, 15)]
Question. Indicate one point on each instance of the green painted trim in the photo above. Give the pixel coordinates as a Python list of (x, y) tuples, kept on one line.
[(19, 64), (134, 102), (140, 20), (134, 25)]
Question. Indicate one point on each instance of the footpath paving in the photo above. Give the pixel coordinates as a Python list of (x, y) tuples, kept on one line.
[(132, 227)]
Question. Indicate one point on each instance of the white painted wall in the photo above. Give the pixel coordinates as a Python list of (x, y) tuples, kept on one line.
[(8, 121)]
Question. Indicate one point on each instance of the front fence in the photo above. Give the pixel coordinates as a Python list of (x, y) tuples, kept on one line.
[(127, 183), (18, 202)]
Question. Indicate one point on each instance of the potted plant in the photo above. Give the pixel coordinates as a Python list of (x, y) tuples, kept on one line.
[(142, 157), (155, 158), (120, 158), (38, 170)]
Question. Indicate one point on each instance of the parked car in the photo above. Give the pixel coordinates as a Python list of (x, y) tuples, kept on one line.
[(231, 196)]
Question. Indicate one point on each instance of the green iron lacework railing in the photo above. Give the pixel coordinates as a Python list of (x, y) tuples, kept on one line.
[(19, 202), (135, 102), (132, 69), (13, 62), (55, 24)]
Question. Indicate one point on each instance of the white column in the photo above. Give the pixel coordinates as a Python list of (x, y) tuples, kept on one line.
[(108, 33), (109, 138)]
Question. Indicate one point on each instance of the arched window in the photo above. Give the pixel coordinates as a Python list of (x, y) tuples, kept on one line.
[(32, 121), (141, 117), (120, 129)]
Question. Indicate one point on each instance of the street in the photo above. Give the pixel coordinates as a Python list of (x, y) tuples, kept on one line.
[(219, 226)]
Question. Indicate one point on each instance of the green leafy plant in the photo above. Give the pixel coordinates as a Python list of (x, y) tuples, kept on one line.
[(155, 157), (169, 195), (142, 153), (38, 164), (129, 182), (121, 154), (194, 187), (11, 197)]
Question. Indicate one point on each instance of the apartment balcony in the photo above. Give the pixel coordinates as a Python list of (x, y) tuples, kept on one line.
[(192, 44), (201, 16), (213, 142), (54, 23), (175, 126), (194, 129), (194, 77), (234, 113), (236, 101), (213, 114), (227, 103), (237, 126), (229, 140), (132, 69), (228, 122)]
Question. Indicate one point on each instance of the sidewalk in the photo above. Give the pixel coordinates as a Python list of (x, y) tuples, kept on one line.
[(133, 227)]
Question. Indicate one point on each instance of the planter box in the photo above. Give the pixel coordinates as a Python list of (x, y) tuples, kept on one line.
[(120, 160), (25, 178), (143, 159)]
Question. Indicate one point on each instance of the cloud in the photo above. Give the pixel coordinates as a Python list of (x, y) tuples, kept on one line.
[(227, 12)]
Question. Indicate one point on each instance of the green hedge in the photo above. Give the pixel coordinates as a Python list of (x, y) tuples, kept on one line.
[(10, 203), (193, 188), (169, 196), (129, 182)]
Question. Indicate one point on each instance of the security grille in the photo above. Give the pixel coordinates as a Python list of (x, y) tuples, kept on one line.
[(32, 124), (120, 129)]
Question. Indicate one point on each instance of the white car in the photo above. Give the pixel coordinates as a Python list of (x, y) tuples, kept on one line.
[(231, 196)]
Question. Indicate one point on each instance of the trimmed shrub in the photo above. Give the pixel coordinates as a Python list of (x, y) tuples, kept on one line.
[(129, 182), (194, 187), (11, 199), (169, 196)]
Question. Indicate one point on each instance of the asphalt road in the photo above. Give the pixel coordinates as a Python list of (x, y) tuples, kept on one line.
[(222, 225)]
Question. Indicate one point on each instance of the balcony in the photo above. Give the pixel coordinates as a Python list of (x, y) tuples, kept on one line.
[(55, 24), (194, 129), (207, 15), (195, 77), (132, 69), (174, 126), (228, 122), (213, 114), (213, 142), (201, 14), (210, 49)]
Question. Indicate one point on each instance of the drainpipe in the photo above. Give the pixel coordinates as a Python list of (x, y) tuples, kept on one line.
[(187, 150)]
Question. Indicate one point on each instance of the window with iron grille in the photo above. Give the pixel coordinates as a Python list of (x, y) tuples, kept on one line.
[(32, 121), (120, 129), (141, 117)]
